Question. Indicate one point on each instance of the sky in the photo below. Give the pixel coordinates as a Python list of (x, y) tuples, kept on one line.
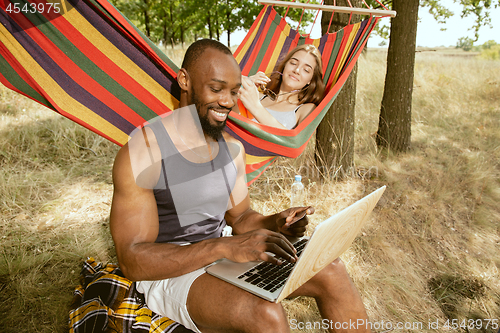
[(429, 32)]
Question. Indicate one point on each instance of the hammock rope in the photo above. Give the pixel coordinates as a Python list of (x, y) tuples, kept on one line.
[(93, 66)]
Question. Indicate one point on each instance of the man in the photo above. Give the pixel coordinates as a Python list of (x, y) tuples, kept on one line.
[(163, 236)]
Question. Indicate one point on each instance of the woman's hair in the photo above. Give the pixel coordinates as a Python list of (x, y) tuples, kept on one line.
[(313, 92)]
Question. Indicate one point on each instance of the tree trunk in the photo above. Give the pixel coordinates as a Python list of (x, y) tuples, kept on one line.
[(209, 23), (228, 17), (172, 32), (394, 127), (335, 134), (165, 31), (182, 35), (146, 18), (217, 31)]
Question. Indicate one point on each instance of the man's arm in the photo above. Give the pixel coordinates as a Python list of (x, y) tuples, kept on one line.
[(244, 219)]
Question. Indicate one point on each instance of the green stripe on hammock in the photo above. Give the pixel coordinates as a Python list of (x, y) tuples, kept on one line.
[(21, 85)]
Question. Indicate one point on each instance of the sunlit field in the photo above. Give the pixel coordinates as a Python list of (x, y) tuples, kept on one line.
[(428, 254)]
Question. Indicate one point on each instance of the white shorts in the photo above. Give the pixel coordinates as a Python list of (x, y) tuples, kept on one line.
[(169, 297)]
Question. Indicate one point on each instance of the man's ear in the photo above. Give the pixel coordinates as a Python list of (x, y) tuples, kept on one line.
[(183, 79)]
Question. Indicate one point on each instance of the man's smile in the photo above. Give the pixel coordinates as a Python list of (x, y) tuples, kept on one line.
[(218, 115)]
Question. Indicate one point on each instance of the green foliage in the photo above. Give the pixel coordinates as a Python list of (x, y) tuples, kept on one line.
[(381, 30), (491, 53), (176, 21), (489, 44), (479, 9), (465, 43), (490, 50), (438, 11)]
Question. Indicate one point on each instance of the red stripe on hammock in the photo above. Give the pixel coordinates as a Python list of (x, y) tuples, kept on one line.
[(258, 45), (129, 30), (268, 55), (110, 68), (327, 50), (247, 36), (253, 180), (260, 173), (338, 60), (268, 146), (269, 129), (83, 79), (29, 79)]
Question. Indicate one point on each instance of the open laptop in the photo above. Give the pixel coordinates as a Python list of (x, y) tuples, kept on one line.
[(328, 241)]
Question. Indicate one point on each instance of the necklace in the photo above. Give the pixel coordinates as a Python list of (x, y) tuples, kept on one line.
[(289, 92), (209, 145), (273, 96)]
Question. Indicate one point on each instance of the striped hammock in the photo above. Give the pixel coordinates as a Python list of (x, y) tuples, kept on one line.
[(92, 65)]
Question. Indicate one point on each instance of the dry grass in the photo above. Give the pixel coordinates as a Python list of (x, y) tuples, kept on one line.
[(55, 194), (429, 252)]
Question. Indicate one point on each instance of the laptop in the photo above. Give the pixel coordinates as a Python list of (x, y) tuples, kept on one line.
[(328, 241)]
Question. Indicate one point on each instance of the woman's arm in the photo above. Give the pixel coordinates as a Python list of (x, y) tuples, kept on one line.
[(249, 96)]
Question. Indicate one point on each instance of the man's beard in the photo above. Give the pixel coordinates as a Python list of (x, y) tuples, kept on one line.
[(210, 130)]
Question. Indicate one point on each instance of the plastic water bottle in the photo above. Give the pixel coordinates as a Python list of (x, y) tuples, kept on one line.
[(297, 198)]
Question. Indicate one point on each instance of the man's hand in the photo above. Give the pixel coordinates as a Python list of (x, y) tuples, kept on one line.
[(293, 221), (253, 245)]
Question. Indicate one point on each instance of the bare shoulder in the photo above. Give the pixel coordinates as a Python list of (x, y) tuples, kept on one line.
[(304, 111), (235, 146), (138, 160), (229, 138)]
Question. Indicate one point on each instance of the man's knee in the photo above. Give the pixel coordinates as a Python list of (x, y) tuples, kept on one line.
[(269, 317), (334, 271), (330, 279)]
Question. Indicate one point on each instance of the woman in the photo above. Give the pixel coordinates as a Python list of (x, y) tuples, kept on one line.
[(294, 90)]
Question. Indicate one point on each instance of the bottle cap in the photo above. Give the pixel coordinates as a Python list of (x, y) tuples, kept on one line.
[(298, 178)]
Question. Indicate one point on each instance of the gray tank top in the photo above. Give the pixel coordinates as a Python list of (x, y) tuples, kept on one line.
[(287, 119), (191, 198)]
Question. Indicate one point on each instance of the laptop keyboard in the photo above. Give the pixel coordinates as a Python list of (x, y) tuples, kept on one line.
[(269, 276)]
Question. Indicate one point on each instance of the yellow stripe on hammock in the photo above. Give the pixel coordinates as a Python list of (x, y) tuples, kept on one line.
[(251, 159), (347, 48), (117, 57), (277, 49), (243, 51), (56, 93)]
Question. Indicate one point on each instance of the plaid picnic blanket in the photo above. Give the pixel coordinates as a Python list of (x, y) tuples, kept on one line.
[(105, 301)]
